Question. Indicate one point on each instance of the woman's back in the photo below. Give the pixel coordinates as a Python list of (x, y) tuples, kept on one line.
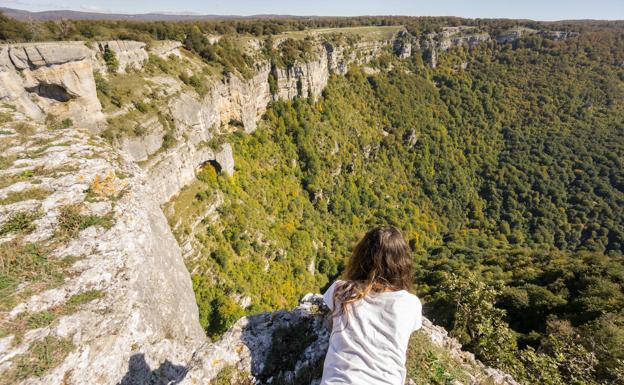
[(369, 339)]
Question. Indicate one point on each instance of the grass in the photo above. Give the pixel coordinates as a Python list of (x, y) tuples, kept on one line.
[(71, 221), (54, 123), (20, 263), (19, 196), (20, 222), (429, 364), (230, 375), (128, 124), (42, 356), (24, 322), (23, 128), (39, 171), (39, 319), (121, 89), (28, 321), (7, 161), (28, 263), (80, 299), (5, 117)]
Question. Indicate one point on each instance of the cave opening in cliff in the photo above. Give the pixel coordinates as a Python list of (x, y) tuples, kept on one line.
[(215, 165), (51, 91)]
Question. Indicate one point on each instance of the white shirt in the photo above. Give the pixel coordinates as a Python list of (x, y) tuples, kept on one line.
[(368, 344)]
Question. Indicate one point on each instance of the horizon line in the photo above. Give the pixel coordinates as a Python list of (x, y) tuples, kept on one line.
[(198, 14)]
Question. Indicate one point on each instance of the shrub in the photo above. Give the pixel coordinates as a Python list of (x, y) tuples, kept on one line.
[(287, 346), (110, 59), (225, 312)]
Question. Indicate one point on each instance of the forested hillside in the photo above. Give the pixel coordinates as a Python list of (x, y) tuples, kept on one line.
[(503, 166)]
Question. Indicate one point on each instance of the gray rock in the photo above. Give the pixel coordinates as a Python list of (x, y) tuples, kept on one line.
[(50, 78), (35, 55), (225, 159), (130, 54), (164, 48)]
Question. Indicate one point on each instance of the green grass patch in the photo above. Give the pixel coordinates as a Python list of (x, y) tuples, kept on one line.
[(24, 322), (20, 222), (39, 319), (430, 364), (42, 356), (71, 221), (25, 262), (80, 299), (230, 375), (121, 89), (19, 196), (40, 171)]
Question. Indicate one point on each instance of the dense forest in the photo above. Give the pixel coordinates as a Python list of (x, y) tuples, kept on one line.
[(503, 166)]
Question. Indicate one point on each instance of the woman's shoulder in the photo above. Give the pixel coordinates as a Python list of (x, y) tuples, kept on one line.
[(411, 298)]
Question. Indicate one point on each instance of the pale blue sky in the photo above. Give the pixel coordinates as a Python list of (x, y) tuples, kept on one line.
[(530, 9)]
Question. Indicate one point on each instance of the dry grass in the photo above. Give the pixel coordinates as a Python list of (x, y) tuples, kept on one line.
[(71, 221), (28, 194), (23, 128), (27, 263), (42, 356)]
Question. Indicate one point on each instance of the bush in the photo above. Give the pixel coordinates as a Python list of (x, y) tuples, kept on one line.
[(110, 59)]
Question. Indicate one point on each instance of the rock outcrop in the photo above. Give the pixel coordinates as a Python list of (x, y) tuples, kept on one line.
[(253, 344), (514, 34), (130, 54), (436, 42), (124, 298), (303, 79), (164, 48)]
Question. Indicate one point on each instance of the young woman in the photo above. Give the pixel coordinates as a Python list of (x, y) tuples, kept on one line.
[(373, 314)]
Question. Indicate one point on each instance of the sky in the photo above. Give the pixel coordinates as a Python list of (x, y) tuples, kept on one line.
[(516, 9)]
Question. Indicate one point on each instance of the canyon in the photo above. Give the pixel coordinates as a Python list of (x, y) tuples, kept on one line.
[(142, 324)]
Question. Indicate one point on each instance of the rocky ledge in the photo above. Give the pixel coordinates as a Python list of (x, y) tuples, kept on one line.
[(288, 347)]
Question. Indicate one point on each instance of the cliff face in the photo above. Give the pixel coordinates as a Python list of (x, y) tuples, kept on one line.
[(111, 283), (119, 308), (436, 42)]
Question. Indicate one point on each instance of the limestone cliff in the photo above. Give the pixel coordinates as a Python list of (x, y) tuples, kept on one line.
[(50, 78), (113, 285)]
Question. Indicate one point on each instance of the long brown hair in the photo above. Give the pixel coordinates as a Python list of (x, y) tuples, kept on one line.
[(381, 261)]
